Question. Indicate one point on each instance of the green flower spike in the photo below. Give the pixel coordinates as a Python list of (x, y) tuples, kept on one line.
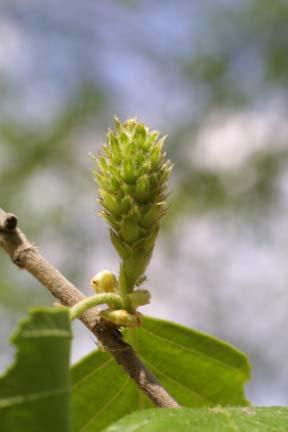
[(131, 174)]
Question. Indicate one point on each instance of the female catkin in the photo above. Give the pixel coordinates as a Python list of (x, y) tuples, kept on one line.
[(132, 173)]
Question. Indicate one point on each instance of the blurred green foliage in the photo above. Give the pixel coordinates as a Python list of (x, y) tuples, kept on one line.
[(30, 151)]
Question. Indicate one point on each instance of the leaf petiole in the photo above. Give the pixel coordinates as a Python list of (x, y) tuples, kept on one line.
[(111, 299)]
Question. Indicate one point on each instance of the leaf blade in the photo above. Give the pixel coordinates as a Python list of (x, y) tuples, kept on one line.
[(39, 376), (212, 369), (101, 393), (273, 419)]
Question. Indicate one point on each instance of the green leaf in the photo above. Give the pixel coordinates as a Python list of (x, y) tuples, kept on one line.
[(35, 391), (101, 393), (273, 419), (196, 369)]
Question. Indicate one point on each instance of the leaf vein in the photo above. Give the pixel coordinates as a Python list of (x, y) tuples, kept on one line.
[(106, 405), (196, 353), (90, 374), (22, 399), (45, 333), (158, 371)]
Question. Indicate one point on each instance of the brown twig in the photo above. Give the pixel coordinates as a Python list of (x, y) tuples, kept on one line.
[(26, 256)]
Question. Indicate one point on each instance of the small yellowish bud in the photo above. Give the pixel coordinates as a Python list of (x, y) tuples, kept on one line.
[(122, 318), (105, 281)]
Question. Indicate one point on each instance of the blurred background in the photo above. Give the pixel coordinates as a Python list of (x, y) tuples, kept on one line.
[(213, 75)]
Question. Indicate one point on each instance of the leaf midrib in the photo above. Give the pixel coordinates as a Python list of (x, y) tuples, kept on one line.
[(31, 397)]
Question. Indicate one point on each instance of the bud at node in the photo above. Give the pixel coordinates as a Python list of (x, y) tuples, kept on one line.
[(104, 281)]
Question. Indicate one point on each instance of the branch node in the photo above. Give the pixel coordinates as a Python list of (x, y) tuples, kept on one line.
[(10, 223), (20, 255)]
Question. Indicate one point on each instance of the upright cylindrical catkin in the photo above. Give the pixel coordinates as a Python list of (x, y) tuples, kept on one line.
[(131, 174)]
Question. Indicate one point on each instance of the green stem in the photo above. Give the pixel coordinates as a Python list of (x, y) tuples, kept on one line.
[(98, 299), (124, 291), (122, 284)]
